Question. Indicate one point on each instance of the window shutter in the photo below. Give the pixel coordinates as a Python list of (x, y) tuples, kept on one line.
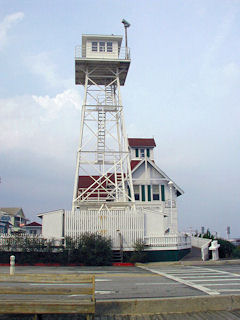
[(149, 193), (143, 192), (148, 153), (137, 153), (163, 192), (129, 193)]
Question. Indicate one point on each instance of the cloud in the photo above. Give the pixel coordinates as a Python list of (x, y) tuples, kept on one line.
[(8, 22), (42, 65), (40, 124), (67, 99)]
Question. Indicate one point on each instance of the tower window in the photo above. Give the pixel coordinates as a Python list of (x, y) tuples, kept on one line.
[(142, 154), (109, 47), (102, 46), (94, 46), (155, 190)]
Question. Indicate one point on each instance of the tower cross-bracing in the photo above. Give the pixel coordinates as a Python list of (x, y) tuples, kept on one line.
[(103, 174)]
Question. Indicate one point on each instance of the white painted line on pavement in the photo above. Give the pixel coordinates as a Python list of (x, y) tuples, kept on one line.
[(93, 272), (102, 280), (190, 272), (157, 283), (223, 284), (219, 276), (104, 292), (229, 290), (206, 280), (187, 283), (218, 271)]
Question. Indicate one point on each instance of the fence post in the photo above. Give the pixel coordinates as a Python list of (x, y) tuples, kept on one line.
[(12, 265)]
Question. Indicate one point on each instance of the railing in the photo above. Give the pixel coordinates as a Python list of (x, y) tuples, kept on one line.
[(203, 244), (168, 241), (122, 53), (168, 204)]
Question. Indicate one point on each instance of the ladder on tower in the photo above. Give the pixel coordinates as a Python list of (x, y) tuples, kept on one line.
[(109, 93), (101, 135)]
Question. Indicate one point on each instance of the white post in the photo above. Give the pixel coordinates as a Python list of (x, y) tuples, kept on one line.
[(170, 183), (214, 248), (12, 265)]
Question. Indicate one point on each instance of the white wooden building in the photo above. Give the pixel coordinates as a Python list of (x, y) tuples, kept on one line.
[(119, 191)]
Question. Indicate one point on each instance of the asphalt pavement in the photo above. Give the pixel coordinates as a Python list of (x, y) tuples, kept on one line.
[(158, 281)]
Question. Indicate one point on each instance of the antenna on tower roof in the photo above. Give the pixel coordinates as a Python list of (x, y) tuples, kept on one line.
[(126, 25)]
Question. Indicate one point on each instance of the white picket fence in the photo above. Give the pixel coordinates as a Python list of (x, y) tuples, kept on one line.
[(116, 224), (120, 224)]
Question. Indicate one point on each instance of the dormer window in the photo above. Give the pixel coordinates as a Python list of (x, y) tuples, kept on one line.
[(142, 153)]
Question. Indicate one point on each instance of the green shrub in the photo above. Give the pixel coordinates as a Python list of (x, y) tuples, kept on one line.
[(236, 252), (138, 254), (88, 249), (95, 250), (226, 248)]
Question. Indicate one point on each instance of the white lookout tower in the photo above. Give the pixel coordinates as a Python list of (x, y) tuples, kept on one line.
[(119, 191), (103, 178)]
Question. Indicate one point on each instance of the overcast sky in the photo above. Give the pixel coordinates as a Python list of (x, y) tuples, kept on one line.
[(182, 88)]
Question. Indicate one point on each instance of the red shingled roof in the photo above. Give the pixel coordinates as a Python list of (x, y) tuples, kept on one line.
[(138, 142), (134, 163), (33, 224)]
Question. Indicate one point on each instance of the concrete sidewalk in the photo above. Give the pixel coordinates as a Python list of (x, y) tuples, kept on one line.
[(168, 305), (192, 263)]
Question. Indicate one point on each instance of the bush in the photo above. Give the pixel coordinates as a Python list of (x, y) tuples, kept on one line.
[(95, 250), (88, 249), (138, 255), (236, 252), (226, 248)]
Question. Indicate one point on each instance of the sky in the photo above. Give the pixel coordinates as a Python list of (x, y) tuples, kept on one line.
[(182, 89)]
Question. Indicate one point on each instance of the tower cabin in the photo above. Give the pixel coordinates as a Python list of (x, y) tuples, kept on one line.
[(98, 55)]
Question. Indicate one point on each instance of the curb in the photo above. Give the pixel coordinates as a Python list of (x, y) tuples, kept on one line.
[(167, 306)]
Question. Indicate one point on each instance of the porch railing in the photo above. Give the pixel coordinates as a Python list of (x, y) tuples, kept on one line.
[(122, 53), (168, 241)]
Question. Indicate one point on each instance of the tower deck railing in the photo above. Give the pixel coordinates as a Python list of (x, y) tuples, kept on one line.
[(85, 52)]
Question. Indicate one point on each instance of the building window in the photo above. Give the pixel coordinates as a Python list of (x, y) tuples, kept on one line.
[(143, 192), (109, 47), (142, 154), (148, 153), (94, 46), (136, 193), (137, 153), (163, 192), (156, 195), (102, 46), (149, 193)]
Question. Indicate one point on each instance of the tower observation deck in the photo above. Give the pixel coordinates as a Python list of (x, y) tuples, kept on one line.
[(103, 175)]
